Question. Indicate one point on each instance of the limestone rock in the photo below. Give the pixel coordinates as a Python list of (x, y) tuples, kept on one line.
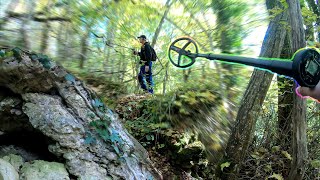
[(7, 171), (61, 107), (39, 170), (15, 160)]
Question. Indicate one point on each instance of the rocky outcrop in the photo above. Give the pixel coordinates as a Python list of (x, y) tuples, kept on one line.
[(44, 97), (14, 160), (7, 171), (38, 170)]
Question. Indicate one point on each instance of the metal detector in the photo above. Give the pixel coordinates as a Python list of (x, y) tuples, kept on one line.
[(304, 66)]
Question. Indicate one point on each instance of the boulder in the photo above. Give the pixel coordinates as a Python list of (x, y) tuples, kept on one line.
[(40, 170), (15, 160), (7, 171), (50, 100)]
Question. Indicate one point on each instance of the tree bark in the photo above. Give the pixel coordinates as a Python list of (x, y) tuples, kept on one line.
[(253, 98), (61, 107), (299, 141), (285, 102)]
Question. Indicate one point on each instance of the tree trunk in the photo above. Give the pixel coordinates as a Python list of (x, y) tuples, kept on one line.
[(156, 34), (24, 35), (186, 74), (299, 141), (84, 47), (45, 37), (285, 102), (253, 98), (46, 98), (165, 79)]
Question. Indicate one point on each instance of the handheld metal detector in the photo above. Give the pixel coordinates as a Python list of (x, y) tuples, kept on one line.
[(304, 66)]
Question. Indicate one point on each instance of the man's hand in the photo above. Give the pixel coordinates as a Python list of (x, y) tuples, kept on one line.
[(146, 69), (314, 93)]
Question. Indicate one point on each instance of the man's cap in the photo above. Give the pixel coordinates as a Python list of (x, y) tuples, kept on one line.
[(142, 36)]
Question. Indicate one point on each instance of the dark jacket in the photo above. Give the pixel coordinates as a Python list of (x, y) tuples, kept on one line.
[(145, 53)]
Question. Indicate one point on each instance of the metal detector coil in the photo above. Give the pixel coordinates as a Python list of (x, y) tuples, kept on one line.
[(304, 66)]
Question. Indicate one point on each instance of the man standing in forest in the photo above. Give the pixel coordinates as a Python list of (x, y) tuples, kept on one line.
[(145, 74)]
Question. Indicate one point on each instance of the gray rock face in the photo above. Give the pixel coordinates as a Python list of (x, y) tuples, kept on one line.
[(14, 160), (7, 171), (40, 170), (61, 108)]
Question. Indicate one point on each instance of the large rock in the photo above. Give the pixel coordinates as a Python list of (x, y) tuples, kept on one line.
[(15, 160), (40, 170), (7, 171), (61, 107)]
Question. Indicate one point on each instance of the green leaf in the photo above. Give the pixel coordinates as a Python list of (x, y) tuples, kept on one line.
[(178, 103), (287, 155), (17, 53), (70, 78), (275, 148), (150, 137), (276, 176), (223, 165), (8, 54), (160, 146), (2, 53), (115, 136), (89, 138), (97, 103), (34, 57), (115, 147), (91, 115), (315, 163)]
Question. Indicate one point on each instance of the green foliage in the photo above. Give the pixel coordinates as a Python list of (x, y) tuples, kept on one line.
[(109, 91), (150, 122), (98, 103), (2, 53), (315, 164), (309, 17), (223, 165), (43, 59), (70, 78), (100, 127), (276, 176)]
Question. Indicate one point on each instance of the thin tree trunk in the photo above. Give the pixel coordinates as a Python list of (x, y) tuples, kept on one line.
[(61, 46), (156, 34), (299, 143), (285, 101), (45, 37), (253, 98), (186, 74), (84, 47), (165, 79), (24, 25), (24, 35)]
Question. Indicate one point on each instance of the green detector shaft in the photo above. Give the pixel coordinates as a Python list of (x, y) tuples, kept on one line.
[(304, 66)]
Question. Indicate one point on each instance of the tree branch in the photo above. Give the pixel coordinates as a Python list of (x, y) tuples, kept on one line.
[(34, 17)]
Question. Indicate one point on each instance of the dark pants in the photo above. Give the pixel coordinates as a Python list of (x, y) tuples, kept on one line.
[(145, 78)]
